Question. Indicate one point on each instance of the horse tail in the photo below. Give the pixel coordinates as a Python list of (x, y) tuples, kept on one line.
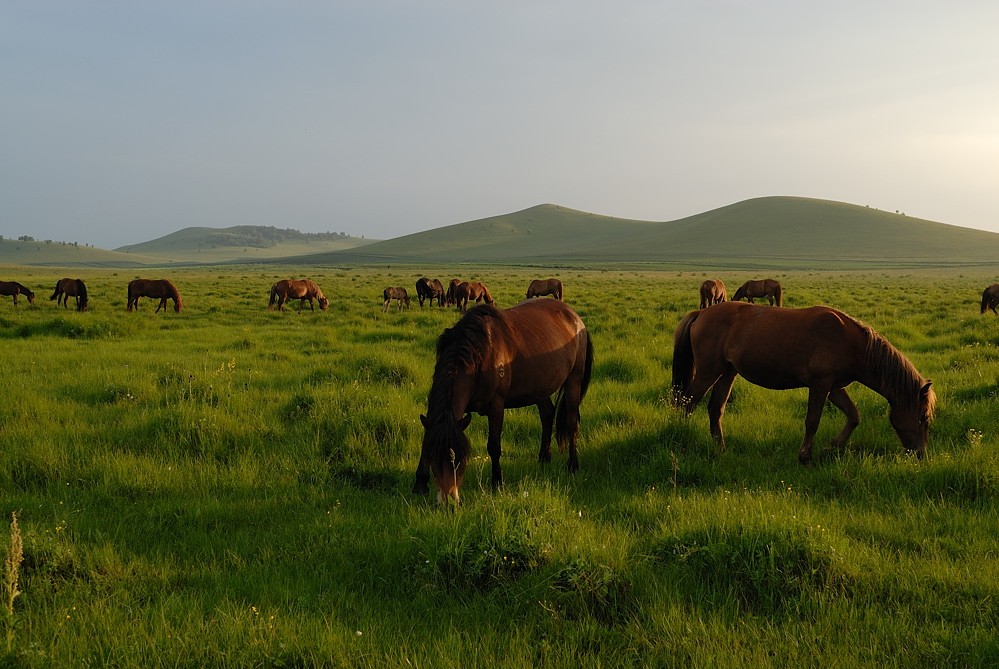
[(778, 295), (683, 356), (270, 305), (564, 434), (985, 300), (56, 294)]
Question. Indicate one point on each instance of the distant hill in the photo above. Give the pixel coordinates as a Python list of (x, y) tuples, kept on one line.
[(769, 232), (59, 254)]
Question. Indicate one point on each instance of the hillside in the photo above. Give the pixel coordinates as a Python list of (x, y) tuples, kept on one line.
[(58, 254), (764, 232)]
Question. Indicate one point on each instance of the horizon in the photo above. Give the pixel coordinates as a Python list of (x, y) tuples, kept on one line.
[(125, 122)]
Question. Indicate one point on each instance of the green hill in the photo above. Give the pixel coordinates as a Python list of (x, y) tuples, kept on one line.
[(764, 232), (59, 254)]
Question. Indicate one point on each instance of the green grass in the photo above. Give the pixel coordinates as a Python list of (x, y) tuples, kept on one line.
[(229, 486)]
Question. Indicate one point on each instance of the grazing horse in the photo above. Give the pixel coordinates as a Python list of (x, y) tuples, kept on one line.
[(474, 291), (451, 297), (768, 288), (990, 298), (818, 348), (395, 293), (66, 288), (541, 287), (286, 290), (713, 292), (161, 288), (430, 289), (493, 360), (13, 288)]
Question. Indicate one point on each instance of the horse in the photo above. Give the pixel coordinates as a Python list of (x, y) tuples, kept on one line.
[(818, 348), (474, 291), (713, 292), (161, 288), (297, 289), (430, 289), (450, 297), (541, 287), (395, 293), (66, 288), (13, 288), (990, 298), (492, 360), (768, 288)]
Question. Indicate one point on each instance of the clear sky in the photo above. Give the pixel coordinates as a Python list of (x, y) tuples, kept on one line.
[(124, 120)]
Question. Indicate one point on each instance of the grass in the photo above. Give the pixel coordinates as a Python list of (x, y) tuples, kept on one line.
[(229, 486)]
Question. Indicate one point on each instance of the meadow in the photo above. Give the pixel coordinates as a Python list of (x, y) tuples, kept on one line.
[(230, 486)]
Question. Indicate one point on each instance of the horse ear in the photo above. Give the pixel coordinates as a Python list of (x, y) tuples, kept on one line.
[(423, 419), (463, 423), (926, 387)]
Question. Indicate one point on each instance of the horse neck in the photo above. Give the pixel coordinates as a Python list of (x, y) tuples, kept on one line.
[(889, 373)]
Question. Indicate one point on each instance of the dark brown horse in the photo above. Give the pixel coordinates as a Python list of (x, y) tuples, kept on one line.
[(713, 292), (67, 288), (451, 297), (541, 287), (990, 298), (430, 289), (817, 348), (395, 293), (471, 291), (13, 288), (156, 288), (286, 290), (768, 288), (493, 360)]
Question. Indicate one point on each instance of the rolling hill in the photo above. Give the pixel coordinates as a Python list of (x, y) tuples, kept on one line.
[(768, 232)]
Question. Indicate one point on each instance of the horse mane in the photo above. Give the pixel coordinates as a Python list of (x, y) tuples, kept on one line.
[(892, 371), (463, 346)]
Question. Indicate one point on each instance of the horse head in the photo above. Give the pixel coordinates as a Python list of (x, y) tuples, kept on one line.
[(447, 450), (912, 420), (324, 303)]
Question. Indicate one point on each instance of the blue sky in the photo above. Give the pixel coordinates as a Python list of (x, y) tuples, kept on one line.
[(126, 120)]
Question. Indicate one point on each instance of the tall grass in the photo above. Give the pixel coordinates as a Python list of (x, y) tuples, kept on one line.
[(230, 486)]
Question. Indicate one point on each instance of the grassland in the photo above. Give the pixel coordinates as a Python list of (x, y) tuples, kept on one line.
[(229, 486)]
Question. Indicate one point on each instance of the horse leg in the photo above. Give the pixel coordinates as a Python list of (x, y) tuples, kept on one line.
[(385, 306), (839, 398), (716, 405), (816, 400), (493, 445), (547, 412)]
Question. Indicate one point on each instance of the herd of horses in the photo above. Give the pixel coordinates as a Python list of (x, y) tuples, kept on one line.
[(495, 359)]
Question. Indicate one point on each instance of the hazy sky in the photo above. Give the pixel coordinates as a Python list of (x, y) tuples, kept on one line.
[(122, 121)]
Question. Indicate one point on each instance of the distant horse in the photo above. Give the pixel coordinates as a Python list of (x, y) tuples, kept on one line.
[(161, 288), (493, 360), (817, 348), (541, 287), (713, 292), (768, 288), (67, 288), (13, 288), (430, 289), (286, 290), (395, 293), (471, 291), (990, 298), (450, 298)]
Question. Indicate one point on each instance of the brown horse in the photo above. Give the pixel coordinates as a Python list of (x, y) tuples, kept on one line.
[(817, 348), (768, 288), (430, 289), (161, 288), (471, 291), (395, 293), (990, 298), (541, 287), (286, 290), (493, 360), (67, 288), (13, 288), (713, 292), (451, 297)]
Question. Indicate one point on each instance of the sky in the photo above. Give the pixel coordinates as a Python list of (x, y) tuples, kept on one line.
[(125, 120)]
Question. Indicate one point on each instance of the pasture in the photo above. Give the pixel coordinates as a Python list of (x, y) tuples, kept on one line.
[(230, 486)]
